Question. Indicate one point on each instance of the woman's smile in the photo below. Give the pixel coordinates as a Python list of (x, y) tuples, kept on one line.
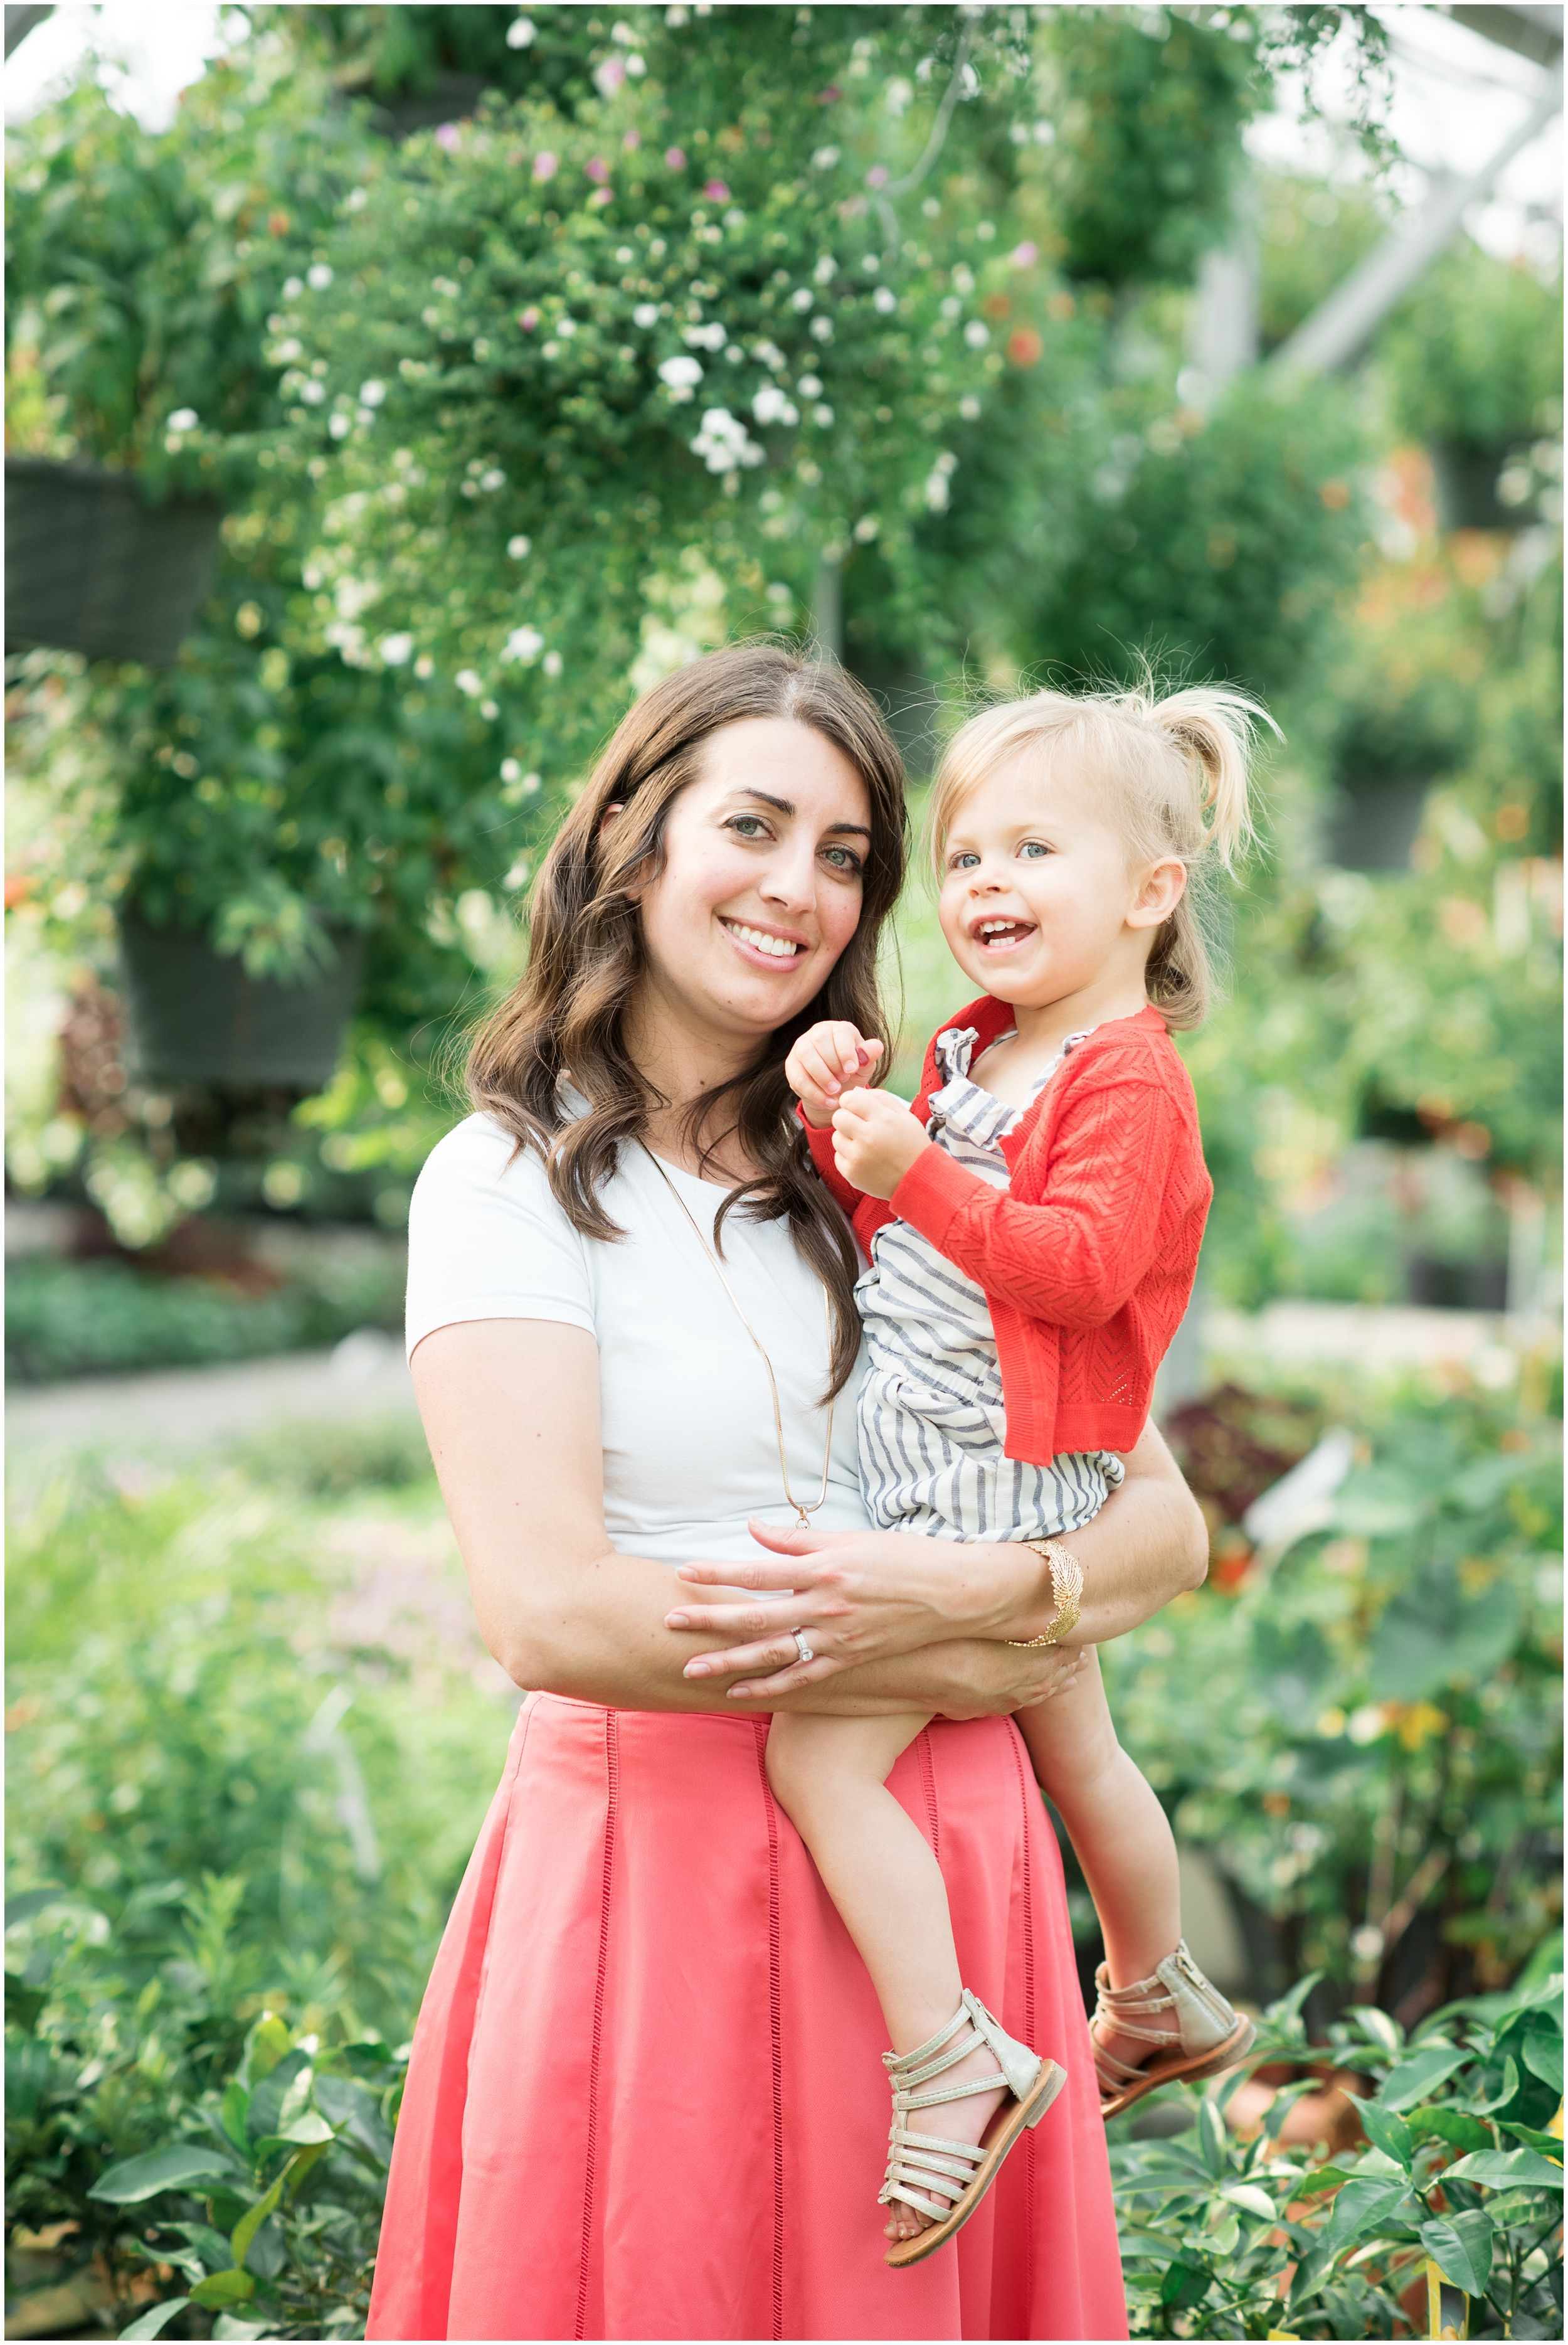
[(773, 948)]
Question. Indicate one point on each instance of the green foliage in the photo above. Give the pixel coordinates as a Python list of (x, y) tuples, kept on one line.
[(1474, 355), (1367, 1730), (1311, 237), (1228, 2235), (142, 265), (1151, 105), (1219, 545), (248, 1759), (94, 1318)]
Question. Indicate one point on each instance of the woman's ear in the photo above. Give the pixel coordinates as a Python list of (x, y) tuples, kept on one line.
[(1161, 890)]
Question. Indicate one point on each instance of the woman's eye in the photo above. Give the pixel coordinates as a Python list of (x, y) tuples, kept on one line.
[(749, 826), (843, 858)]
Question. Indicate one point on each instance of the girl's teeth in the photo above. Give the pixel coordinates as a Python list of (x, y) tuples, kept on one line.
[(777, 947)]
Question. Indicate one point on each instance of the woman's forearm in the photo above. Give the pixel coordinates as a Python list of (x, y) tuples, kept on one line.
[(1148, 1543)]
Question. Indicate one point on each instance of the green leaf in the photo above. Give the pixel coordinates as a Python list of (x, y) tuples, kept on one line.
[(1433, 1635), (1455, 2125), (1460, 2247), (1543, 2055), (23, 1908), (1362, 2207), (1380, 1502), (251, 2222), (1213, 2138), (1255, 2201), (1323, 2178), (223, 2288), (1183, 2286), (1512, 2169), (157, 2318), (266, 2044), (1376, 2026), (1389, 2132), (1415, 2077), (1550, 2145), (173, 2168), (231, 2114)]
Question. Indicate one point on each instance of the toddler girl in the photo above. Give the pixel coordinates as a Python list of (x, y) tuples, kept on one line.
[(1045, 1206)]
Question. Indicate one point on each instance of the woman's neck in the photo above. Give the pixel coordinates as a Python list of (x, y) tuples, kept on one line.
[(685, 1067)]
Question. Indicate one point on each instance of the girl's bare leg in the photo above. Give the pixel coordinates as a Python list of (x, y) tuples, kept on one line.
[(1119, 1831), (830, 1777)]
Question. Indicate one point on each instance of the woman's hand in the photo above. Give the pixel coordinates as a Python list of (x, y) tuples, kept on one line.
[(829, 1060), (859, 1595)]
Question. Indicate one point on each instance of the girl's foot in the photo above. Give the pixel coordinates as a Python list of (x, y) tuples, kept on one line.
[(965, 2121), (1174, 2025)]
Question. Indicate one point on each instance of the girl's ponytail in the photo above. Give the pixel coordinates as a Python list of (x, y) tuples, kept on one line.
[(1217, 728)]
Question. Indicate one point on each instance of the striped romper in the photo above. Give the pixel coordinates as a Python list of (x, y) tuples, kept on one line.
[(931, 1417)]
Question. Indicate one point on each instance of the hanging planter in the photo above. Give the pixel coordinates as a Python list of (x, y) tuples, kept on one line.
[(1464, 478), (199, 1016), (92, 567)]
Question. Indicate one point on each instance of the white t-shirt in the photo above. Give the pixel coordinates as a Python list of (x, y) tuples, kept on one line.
[(690, 1448)]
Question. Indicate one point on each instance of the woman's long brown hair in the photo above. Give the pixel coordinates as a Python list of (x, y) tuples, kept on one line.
[(565, 1019)]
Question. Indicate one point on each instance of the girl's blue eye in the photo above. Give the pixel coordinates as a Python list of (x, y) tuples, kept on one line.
[(965, 862), (1034, 848)]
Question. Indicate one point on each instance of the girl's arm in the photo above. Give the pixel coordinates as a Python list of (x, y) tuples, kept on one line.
[(863, 1597), (1076, 1260), (510, 1408)]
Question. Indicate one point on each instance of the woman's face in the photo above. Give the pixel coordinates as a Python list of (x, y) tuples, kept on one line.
[(761, 888)]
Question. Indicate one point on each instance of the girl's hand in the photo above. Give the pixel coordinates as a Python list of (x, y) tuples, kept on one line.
[(875, 1140), (862, 1595), (828, 1059)]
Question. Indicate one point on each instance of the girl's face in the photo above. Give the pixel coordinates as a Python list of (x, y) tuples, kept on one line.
[(1039, 901), (761, 888)]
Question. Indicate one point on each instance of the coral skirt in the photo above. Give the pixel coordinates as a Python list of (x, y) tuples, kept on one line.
[(646, 2096)]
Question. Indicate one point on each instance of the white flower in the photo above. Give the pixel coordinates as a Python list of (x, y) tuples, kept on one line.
[(339, 427), (518, 874), (184, 419), (313, 393), (283, 353), (821, 330), (941, 472), (318, 277), (519, 548), (372, 393), (552, 662), (810, 386), (294, 286), (970, 408), (825, 159), (523, 644), (865, 529), (492, 480), (704, 338), (679, 376), (723, 442), (769, 353), (962, 280), (566, 329), (397, 650), (885, 299), (771, 406), (826, 269), (511, 771), (801, 297), (467, 680), (645, 314), (976, 335), (637, 66), (520, 32)]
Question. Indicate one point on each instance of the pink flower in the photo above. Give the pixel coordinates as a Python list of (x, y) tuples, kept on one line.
[(601, 197), (878, 176), (598, 170), (545, 165), (630, 139), (830, 96), (675, 157), (608, 75), (1023, 256), (716, 192), (450, 137), (528, 319)]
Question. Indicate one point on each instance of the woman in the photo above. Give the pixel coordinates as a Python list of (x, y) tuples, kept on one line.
[(641, 2101)]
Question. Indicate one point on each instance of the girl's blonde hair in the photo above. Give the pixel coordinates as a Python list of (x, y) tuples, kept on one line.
[(1175, 773)]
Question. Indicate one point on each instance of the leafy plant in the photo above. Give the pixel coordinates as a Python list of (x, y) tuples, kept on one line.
[(1241, 2235)]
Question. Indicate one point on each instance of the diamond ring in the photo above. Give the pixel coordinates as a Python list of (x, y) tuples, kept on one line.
[(801, 1646)]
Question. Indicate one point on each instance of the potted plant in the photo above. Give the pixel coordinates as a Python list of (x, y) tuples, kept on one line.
[(141, 269)]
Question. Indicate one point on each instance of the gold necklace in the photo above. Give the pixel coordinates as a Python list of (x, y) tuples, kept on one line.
[(803, 1513)]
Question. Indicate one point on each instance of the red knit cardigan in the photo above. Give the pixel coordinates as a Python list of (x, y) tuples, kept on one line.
[(1088, 1258)]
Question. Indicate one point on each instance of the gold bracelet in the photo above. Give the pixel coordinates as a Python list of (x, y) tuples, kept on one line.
[(1066, 1587)]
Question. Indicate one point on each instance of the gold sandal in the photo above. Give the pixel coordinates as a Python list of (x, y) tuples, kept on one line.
[(1209, 2035), (959, 2172)]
